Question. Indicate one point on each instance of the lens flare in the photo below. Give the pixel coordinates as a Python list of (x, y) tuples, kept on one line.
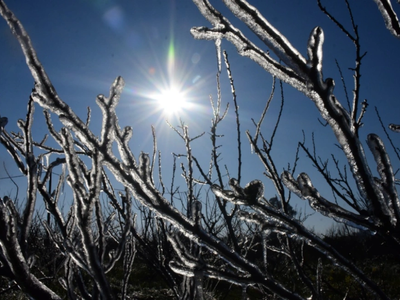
[(171, 100)]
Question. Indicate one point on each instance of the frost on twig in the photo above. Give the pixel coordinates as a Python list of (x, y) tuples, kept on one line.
[(389, 16), (304, 188), (222, 28), (270, 219), (14, 257), (250, 194), (86, 252), (219, 249), (307, 77), (386, 183)]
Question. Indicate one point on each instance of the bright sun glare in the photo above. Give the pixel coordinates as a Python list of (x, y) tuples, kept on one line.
[(171, 87), (171, 100)]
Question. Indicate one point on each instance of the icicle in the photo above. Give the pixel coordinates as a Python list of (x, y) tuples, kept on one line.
[(218, 49)]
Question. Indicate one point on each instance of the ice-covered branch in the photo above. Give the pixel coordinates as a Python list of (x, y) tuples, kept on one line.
[(274, 40), (239, 218), (320, 91), (32, 169), (270, 218), (304, 188), (306, 76), (389, 16), (10, 248), (389, 199), (224, 29)]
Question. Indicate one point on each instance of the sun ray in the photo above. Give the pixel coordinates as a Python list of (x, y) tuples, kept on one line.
[(169, 83)]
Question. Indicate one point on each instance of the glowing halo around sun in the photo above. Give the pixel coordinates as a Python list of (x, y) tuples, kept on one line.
[(171, 100), (169, 84), (172, 97)]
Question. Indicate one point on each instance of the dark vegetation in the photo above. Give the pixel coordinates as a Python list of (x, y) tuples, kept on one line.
[(370, 253)]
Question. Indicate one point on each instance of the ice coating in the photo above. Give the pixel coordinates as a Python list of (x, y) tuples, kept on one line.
[(224, 29), (314, 49), (278, 43), (136, 175), (298, 74), (390, 203), (389, 16), (254, 190)]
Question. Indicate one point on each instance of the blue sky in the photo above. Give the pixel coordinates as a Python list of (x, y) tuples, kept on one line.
[(85, 44)]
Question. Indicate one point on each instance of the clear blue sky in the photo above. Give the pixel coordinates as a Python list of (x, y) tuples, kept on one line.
[(85, 44)]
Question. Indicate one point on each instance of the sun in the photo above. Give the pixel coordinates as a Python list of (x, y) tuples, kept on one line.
[(169, 86), (171, 100)]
